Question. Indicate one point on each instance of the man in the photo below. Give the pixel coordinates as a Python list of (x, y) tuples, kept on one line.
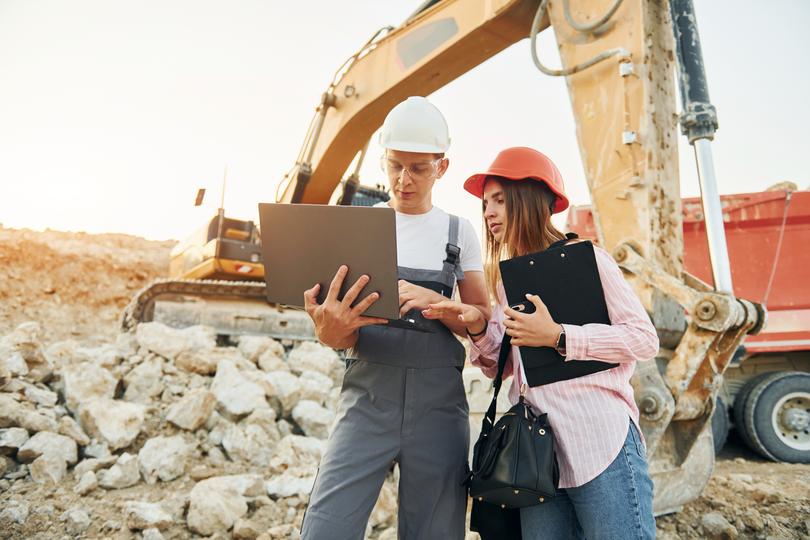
[(403, 397)]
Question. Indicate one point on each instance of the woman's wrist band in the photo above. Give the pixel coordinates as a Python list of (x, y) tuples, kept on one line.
[(477, 333)]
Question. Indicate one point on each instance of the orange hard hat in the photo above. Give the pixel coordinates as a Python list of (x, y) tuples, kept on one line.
[(522, 163)]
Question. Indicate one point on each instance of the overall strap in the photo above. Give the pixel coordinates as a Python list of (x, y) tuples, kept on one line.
[(450, 265), (489, 417)]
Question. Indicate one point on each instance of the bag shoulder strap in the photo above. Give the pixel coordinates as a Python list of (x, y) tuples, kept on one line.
[(489, 418), (568, 237), (450, 265)]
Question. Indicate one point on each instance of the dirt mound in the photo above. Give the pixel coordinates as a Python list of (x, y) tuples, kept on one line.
[(74, 284)]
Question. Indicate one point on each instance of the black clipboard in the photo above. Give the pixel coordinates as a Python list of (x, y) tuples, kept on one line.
[(566, 279)]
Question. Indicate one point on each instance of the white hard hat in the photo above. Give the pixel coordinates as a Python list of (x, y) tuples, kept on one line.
[(415, 125)]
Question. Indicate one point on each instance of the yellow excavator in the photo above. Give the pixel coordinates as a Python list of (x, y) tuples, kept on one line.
[(622, 60)]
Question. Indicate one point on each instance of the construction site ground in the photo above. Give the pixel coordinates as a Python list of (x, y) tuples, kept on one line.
[(75, 286)]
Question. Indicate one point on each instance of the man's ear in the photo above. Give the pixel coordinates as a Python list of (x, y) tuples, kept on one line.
[(443, 167)]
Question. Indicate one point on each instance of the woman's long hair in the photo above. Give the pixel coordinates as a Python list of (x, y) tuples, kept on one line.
[(528, 226)]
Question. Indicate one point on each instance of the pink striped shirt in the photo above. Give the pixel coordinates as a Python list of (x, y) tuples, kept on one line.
[(589, 414)]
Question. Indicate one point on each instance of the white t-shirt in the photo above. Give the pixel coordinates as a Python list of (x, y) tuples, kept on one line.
[(421, 241)]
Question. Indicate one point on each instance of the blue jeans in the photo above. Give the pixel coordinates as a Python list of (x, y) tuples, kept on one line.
[(617, 504)]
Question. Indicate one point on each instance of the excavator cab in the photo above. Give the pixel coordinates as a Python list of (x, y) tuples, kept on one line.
[(224, 249)]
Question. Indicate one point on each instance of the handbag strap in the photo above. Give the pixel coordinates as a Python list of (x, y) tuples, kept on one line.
[(568, 237), (489, 418)]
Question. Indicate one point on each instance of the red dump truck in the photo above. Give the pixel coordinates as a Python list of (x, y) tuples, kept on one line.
[(768, 384)]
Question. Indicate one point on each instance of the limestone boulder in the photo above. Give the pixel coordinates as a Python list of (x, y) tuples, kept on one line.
[(145, 381), (115, 422), (163, 458), (141, 515), (315, 386), (86, 381), (70, 428), (170, 342), (192, 410), (121, 475), (14, 413), (312, 356), (235, 393), (48, 469), (216, 503), (313, 419), (297, 455), (287, 485), (283, 387), (48, 443), (11, 439), (252, 347)]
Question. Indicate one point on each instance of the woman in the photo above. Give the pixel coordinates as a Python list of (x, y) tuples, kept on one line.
[(605, 490)]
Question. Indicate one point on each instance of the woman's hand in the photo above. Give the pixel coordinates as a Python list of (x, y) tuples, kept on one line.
[(537, 329), (415, 297), (472, 318)]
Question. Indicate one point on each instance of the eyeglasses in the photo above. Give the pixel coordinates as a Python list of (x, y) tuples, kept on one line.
[(417, 171)]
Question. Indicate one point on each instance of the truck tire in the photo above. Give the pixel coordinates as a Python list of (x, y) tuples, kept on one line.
[(776, 416), (720, 425), (739, 406)]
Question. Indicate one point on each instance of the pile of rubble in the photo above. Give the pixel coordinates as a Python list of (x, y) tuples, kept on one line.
[(164, 434)]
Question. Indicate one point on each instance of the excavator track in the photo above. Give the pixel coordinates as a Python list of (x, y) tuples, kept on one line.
[(230, 307)]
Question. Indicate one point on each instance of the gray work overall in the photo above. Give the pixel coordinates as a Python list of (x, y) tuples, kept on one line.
[(402, 401)]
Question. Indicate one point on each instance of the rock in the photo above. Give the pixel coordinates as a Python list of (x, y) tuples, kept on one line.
[(170, 342), (145, 381), (11, 440), (192, 410), (249, 443), (283, 386), (297, 455), (87, 483), (111, 525), (313, 419), (151, 534), (46, 442), (216, 503), (70, 428), (13, 363), (312, 356), (40, 396), (6, 465), (93, 464), (741, 478), (86, 381), (281, 532), (16, 511), (287, 485), (201, 362), (23, 342), (716, 526), (315, 386), (272, 361), (164, 458), (146, 515), (116, 422), (98, 450), (252, 347), (14, 413), (236, 395), (76, 521), (48, 469), (244, 529), (753, 519), (121, 475)]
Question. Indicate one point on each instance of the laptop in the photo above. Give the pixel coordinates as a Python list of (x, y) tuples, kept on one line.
[(305, 244)]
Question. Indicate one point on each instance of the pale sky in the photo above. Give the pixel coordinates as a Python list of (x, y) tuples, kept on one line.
[(113, 113)]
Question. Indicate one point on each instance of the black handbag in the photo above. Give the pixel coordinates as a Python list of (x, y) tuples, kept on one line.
[(514, 461)]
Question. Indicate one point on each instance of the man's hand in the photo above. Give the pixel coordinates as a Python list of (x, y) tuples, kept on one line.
[(336, 321), (474, 321), (415, 297), (537, 329)]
